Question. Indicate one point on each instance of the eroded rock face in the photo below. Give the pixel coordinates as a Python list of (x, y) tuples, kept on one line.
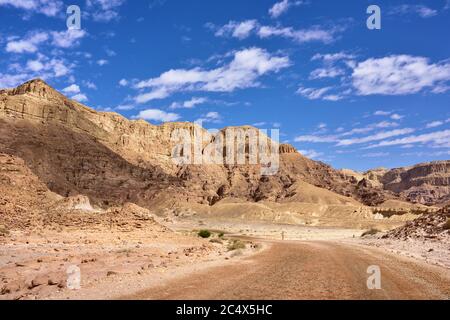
[(425, 183)]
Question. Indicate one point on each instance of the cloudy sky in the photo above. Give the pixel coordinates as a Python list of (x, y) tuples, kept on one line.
[(340, 93)]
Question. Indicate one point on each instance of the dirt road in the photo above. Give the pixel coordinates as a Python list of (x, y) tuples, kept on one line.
[(310, 270)]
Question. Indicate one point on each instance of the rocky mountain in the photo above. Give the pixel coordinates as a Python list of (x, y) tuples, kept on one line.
[(425, 183), (75, 150)]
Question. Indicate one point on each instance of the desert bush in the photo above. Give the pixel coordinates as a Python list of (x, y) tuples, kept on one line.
[(370, 232), (221, 235), (236, 245), (204, 234)]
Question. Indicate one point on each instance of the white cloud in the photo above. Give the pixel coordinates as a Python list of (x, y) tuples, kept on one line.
[(397, 116), (282, 7), (211, 116), (157, 115), (434, 124), (45, 68), (331, 72), (398, 75), (240, 30), (124, 107), (104, 10), (382, 113), (49, 8), (375, 137), (31, 42), (438, 138), (341, 140), (27, 45), (300, 36), (189, 103), (315, 139), (123, 82), (72, 89), (10, 81), (90, 85), (68, 38), (102, 62), (318, 93), (244, 29), (35, 65), (333, 57), (421, 10), (375, 155), (242, 72), (312, 154), (80, 97)]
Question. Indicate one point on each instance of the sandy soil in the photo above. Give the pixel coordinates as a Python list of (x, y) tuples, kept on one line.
[(310, 270), (157, 262), (34, 266), (429, 251), (266, 230)]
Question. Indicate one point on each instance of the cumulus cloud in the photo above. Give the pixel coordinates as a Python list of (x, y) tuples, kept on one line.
[(347, 138), (72, 89), (331, 72), (244, 29), (104, 10), (333, 57), (240, 30), (282, 7), (312, 154), (301, 36), (319, 93), (68, 38), (189, 104), (102, 62), (439, 138), (157, 115), (12, 80), (80, 97), (211, 116), (375, 137), (29, 44), (75, 93), (382, 113), (49, 8), (434, 124), (242, 72), (398, 75), (408, 9)]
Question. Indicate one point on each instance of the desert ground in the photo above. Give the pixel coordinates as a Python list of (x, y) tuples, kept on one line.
[(271, 261)]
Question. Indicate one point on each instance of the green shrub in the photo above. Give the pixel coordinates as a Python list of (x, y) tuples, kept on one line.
[(235, 245), (221, 235), (204, 234)]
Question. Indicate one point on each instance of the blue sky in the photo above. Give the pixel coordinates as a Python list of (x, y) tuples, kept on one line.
[(339, 92)]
